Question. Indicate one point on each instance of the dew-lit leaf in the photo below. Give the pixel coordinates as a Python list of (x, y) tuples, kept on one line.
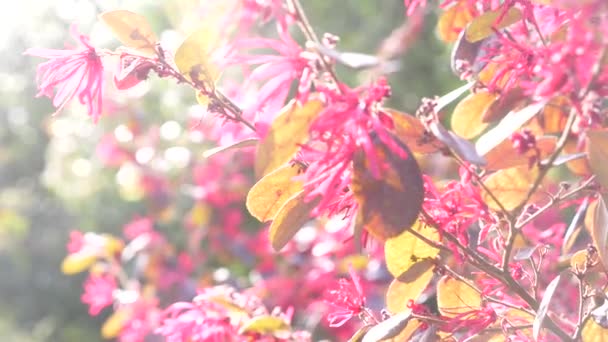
[(193, 58), (290, 218), (388, 328), (411, 131), (271, 192), (390, 204), (543, 307), (597, 150), (504, 104), (289, 129), (466, 118), (405, 250), (599, 230), (453, 20), (265, 324), (77, 262), (409, 286), (506, 127), (509, 186), (455, 297), (461, 147), (113, 324), (506, 156), (483, 26), (239, 144), (131, 29)]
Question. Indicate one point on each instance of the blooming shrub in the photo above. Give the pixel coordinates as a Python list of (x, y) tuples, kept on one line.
[(361, 242)]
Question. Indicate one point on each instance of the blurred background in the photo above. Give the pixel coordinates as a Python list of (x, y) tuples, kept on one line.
[(53, 176)]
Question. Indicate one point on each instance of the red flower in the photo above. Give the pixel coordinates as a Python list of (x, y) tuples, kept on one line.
[(473, 321), (98, 292), (347, 299), (73, 72)]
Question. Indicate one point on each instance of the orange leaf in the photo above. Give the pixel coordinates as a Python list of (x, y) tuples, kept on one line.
[(504, 104), (466, 118), (509, 186), (269, 194), (455, 297), (389, 205), (599, 230), (410, 130), (597, 149), (289, 129), (453, 20), (409, 285), (505, 155)]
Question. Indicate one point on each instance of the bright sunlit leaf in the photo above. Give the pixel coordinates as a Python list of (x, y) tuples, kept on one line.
[(290, 218), (269, 194), (455, 297), (388, 328), (113, 324), (77, 262), (466, 118), (410, 130), (409, 286), (406, 249), (265, 324), (131, 29), (193, 58), (505, 156), (453, 20), (599, 230), (593, 332), (509, 186), (287, 131), (597, 149)]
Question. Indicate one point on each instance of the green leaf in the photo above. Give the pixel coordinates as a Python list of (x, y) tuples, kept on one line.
[(484, 25), (286, 132), (131, 29), (271, 192)]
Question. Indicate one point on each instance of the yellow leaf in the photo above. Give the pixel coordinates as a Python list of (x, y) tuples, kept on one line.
[(453, 20), (200, 214), (599, 230), (390, 204), (509, 186), (593, 332), (193, 58), (484, 25), (409, 286), (405, 250), (505, 103), (455, 297), (113, 325), (597, 149), (289, 129), (407, 333), (290, 218), (410, 131), (77, 262), (506, 156), (131, 29), (264, 325), (269, 194), (466, 120), (580, 166)]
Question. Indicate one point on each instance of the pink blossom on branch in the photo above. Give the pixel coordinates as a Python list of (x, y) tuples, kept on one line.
[(70, 73), (98, 292)]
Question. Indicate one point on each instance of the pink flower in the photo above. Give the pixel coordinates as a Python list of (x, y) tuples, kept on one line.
[(76, 242), (348, 300), (73, 72), (276, 72), (98, 292)]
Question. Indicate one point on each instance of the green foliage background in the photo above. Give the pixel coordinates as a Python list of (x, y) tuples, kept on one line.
[(41, 199)]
